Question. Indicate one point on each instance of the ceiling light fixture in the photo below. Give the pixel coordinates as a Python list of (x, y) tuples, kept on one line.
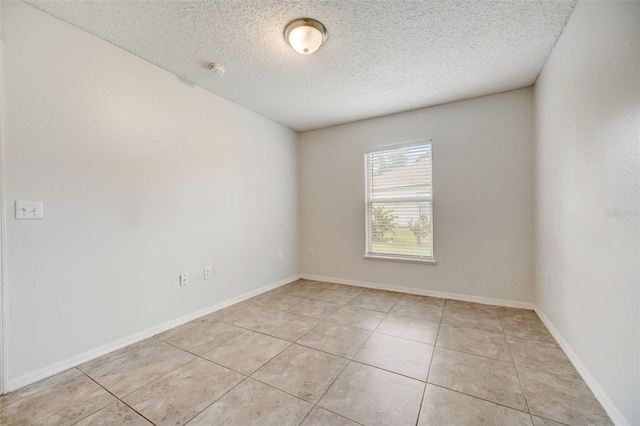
[(305, 35)]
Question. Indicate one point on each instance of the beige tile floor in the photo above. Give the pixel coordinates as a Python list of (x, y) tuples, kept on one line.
[(316, 353)]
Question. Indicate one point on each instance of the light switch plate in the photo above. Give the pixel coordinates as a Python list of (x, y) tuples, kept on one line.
[(29, 210)]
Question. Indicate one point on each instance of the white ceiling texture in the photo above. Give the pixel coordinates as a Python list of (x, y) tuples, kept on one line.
[(381, 57)]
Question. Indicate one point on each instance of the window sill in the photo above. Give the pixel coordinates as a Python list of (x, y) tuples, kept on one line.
[(399, 259)]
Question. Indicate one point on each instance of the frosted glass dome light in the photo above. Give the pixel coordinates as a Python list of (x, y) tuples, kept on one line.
[(305, 35)]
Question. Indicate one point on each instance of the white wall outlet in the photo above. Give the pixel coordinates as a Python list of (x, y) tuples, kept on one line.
[(184, 278), (207, 272), (29, 210), (279, 255), (310, 252)]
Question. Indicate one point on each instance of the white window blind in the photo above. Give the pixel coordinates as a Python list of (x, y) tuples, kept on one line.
[(399, 202)]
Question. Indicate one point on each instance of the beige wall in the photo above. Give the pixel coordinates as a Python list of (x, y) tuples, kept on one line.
[(587, 183), (483, 197), (143, 176)]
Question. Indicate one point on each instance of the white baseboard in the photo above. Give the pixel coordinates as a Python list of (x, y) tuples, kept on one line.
[(27, 379), (614, 413), (425, 292)]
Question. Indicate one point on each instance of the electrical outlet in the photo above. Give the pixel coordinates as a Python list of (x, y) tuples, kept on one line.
[(310, 252), (207, 272), (184, 278), (29, 210), (279, 255)]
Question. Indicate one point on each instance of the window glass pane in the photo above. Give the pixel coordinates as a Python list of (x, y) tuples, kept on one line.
[(400, 229), (400, 172)]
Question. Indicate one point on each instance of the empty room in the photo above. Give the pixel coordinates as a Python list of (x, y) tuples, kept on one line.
[(316, 213)]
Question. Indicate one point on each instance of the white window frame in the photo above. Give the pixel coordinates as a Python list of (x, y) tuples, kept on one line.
[(368, 254)]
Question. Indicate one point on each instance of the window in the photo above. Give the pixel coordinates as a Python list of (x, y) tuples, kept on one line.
[(399, 202)]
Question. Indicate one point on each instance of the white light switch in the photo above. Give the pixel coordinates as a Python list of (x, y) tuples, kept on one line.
[(29, 210)]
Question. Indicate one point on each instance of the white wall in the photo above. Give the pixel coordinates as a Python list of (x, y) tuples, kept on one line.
[(483, 197), (587, 163), (143, 176)]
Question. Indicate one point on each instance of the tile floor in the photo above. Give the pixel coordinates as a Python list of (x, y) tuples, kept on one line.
[(316, 353)]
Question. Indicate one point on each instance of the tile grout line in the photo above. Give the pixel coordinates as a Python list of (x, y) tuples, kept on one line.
[(91, 414), (375, 331), (433, 354), (158, 378), (479, 331), (377, 326), (478, 398), (341, 371), (246, 377), (145, 384), (117, 400), (515, 366), (502, 333), (217, 399), (332, 412), (555, 421), (121, 399), (281, 390), (153, 381), (262, 332), (295, 343), (476, 355), (474, 396), (315, 300), (350, 360), (365, 342), (524, 394)]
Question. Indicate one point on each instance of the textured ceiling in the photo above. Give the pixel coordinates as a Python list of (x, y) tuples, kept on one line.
[(381, 57)]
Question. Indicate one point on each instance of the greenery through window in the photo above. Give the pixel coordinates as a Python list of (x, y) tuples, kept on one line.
[(399, 202)]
